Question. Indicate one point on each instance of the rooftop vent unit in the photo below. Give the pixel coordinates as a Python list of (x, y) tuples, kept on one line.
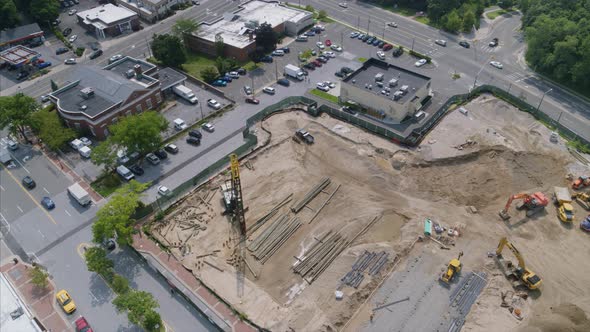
[(87, 92), (397, 95), (404, 89), (138, 70), (252, 24), (130, 73), (83, 107)]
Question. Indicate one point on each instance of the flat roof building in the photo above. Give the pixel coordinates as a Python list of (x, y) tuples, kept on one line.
[(108, 20), (151, 10), (18, 56), (15, 314), (236, 29), (20, 35), (386, 91)]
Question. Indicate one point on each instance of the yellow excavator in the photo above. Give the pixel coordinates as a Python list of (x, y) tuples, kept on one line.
[(521, 273), (453, 268)]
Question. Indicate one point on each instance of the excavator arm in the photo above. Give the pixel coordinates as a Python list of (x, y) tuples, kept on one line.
[(504, 213)]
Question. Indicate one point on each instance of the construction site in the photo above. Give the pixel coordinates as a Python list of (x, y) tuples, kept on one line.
[(327, 227)]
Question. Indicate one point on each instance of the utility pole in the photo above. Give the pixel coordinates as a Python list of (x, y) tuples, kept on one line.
[(510, 86), (148, 47), (413, 40), (358, 23), (342, 39), (542, 99), (253, 89), (383, 37), (369, 26), (277, 70), (201, 106)]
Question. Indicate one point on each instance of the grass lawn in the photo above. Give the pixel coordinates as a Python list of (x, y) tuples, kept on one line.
[(401, 10), (106, 185), (361, 59), (197, 62), (325, 95), (493, 14), (423, 20)]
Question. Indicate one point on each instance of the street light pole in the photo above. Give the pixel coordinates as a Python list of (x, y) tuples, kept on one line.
[(383, 36), (201, 106), (369, 26), (543, 98), (358, 23)]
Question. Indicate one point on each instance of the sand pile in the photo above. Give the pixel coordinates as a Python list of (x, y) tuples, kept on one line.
[(566, 317)]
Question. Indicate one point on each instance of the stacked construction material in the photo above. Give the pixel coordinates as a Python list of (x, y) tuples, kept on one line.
[(273, 237), (368, 260), (269, 215), (310, 195), (464, 296), (320, 256)]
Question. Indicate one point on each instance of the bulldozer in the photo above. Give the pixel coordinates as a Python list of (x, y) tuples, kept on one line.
[(581, 182), (583, 198), (453, 269), (521, 275), (533, 203)]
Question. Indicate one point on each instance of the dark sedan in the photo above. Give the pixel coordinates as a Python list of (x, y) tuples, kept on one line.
[(48, 203)]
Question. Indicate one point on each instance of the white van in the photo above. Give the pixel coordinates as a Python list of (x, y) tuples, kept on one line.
[(85, 151), (76, 144), (125, 173), (179, 124)]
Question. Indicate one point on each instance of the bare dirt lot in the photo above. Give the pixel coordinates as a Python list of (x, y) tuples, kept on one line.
[(398, 189)]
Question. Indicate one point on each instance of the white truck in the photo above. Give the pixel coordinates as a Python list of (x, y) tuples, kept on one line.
[(185, 93), (79, 194), (294, 71), (5, 156)]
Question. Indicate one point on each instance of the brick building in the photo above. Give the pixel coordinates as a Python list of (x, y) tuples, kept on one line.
[(108, 20), (236, 29), (97, 97)]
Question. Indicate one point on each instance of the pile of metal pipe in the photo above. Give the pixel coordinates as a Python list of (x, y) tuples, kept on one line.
[(320, 256), (269, 215), (463, 297), (310, 195), (368, 260), (273, 237)]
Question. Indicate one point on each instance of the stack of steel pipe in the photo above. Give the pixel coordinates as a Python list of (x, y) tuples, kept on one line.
[(379, 263), (320, 256), (269, 215), (368, 260), (310, 195), (273, 237), (464, 296)]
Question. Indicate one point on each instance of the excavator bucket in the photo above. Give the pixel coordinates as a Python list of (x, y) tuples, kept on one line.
[(504, 215)]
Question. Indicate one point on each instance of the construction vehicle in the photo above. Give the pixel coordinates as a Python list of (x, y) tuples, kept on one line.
[(581, 182), (583, 198), (304, 136), (585, 224), (563, 200), (453, 269), (521, 274), (534, 203)]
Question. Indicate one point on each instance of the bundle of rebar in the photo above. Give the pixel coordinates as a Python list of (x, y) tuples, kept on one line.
[(320, 256), (273, 237), (269, 215), (310, 195), (368, 260)]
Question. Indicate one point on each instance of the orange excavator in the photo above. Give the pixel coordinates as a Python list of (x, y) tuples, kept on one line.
[(581, 182), (533, 203)]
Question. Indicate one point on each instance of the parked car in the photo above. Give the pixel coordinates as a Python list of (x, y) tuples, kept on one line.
[(225, 78), (354, 34), (330, 54), (213, 103), (81, 323), (45, 98), (346, 70), (328, 42), (420, 63), (269, 89), (247, 90), (61, 50), (277, 53), (283, 82), (85, 141), (115, 57), (320, 45), (66, 32), (496, 64), (28, 182), (361, 36), (336, 47), (164, 191), (22, 75), (392, 24), (95, 54), (193, 141), (208, 127), (72, 12), (398, 51), (441, 42), (376, 42), (387, 47), (381, 55), (322, 59), (340, 74), (331, 85), (221, 83), (381, 43), (160, 153), (252, 100), (266, 59), (322, 87), (343, 4), (152, 158), (241, 71), (48, 203), (136, 169), (309, 66), (316, 63), (44, 65), (172, 148), (464, 44), (309, 33), (65, 301), (285, 49), (233, 74), (73, 38), (195, 133)]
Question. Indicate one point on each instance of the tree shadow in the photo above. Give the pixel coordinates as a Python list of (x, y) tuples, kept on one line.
[(127, 264), (100, 291)]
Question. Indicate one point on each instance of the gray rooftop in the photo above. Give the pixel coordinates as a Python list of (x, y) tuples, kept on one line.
[(19, 32), (169, 77), (110, 88), (366, 76), (127, 64)]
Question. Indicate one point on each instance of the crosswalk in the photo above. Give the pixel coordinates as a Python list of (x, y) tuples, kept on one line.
[(517, 77)]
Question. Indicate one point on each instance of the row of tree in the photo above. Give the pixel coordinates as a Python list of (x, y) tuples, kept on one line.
[(40, 11), (558, 39)]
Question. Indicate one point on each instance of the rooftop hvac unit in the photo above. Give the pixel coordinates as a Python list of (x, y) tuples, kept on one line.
[(130, 73), (87, 92), (83, 107), (404, 89), (397, 95)]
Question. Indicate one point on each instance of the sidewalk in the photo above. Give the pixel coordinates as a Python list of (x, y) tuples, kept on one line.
[(41, 302), (183, 280)]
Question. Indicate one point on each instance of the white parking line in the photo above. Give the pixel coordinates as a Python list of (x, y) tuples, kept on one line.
[(47, 191), (68, 213), (18, 207), (2, 188), (43, 235), (23, 166)]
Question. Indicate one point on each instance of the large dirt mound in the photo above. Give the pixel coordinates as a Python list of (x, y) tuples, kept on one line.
[(566, 317), (479, 178)]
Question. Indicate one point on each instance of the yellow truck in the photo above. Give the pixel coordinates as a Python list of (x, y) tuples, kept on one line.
[(563, 199)]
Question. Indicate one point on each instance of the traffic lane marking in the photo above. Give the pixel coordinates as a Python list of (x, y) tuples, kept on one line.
[(29, 194)]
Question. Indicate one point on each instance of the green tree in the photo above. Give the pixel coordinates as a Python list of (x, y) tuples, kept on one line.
[(152, 321), (44, 11), (114, 218), (138, 305), (322, 15), (49, 128), (39, 277), (223, 65), (453, 22), (209, 74), (184, 26), (97, 261), (120, 284), (169, 50), (219, 47), (140, 132), (8, 14), (468, 21), (505, 4), (105, 154), (266, 37), (16, 112), (309, 8)]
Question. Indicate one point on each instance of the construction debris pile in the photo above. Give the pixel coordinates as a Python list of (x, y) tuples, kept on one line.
[(368, 260)]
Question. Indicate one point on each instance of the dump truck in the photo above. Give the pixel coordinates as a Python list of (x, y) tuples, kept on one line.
[(294, 71), (79, 194), (520, 275), (304, 136), (563, 201)]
